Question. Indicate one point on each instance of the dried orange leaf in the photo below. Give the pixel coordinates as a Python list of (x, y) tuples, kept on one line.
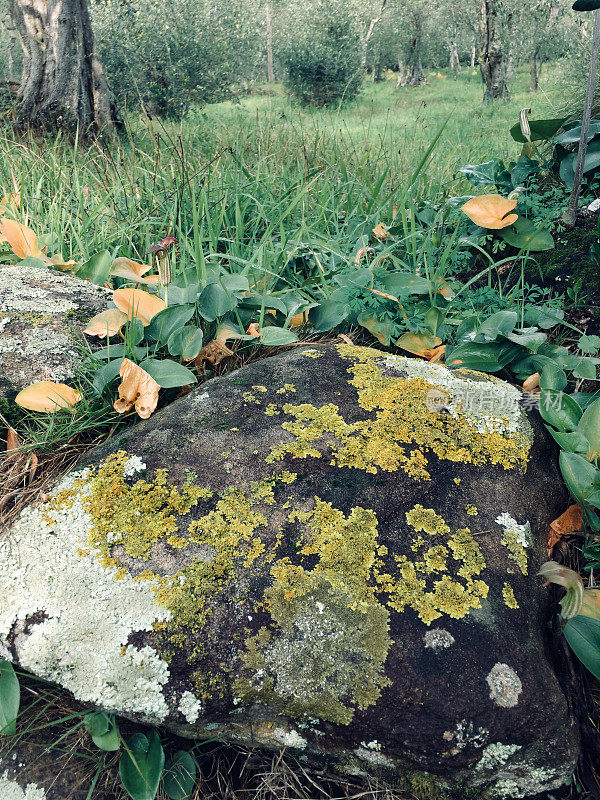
[(421, 344), (569, 522), (22, 240), (138, 389), (380, 232), (132, 271), (490, 210), (12, 440), (137, 303), (48, 396), (299, 319), (436, 354), (107, 323), (58, 262), (532, 382), (253, 329), (13, 199)]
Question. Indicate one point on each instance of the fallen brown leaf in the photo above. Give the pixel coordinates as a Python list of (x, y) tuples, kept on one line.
[(138, 389)]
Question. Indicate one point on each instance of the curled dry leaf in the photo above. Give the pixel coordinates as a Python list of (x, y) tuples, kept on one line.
[(364, 251), (12, 440), (48, 396), (435, 354), (214, 352), (253, 329), (13, 199), (299, 319), (137, 303), (107, 323), (572, 602), (569, 522), (490, 211), (138, 389), (531, 383), (132, 271), (22, 240), (421, 344), (58, 262), (379, 232)]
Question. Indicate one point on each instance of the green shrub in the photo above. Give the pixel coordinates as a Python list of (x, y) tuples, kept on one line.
[(322, 57)]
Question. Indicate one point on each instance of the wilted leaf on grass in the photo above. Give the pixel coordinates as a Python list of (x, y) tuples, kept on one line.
[(48, 396), (421, 344), (138, 389), (21, 240), (132, 271), (106, 323), (137, 303), (490, 211), (380, 232)]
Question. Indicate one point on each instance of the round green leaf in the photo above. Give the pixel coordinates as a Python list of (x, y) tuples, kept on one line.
[(272, 336), (179, 776), (141, 766), (168, 320), (559, 410), (589, 426), (525, 235), (168, 374), (185, 342), (103, 729), (583, 635), (10, 698), (214, 302), (581, 477)]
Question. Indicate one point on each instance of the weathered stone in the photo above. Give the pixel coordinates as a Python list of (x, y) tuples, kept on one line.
[(42, 312), (331, 550)]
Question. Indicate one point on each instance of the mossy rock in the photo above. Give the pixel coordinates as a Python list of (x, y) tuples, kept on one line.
[(332, 550), (42, 315)]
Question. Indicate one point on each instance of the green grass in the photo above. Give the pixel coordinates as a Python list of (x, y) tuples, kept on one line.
[(254, 181)]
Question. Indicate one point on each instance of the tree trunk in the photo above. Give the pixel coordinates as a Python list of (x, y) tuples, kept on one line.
[(492, 59), (402, 74), (473, 55), (533, 72), (415, 66), (454, 58), (62, 83), (270, 69)]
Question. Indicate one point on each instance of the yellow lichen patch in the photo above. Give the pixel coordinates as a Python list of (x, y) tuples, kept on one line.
[(136, 515), (262, 389), (271, 410), (400, 434), (508, 596), (471, 510), (312, 354), (250, 398), (421, 584), (287, 387)]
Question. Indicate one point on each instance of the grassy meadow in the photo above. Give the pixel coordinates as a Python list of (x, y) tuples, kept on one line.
[(255, 178)]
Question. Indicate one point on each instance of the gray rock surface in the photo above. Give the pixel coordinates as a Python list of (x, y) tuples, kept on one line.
[(313, 552), (42, 312)]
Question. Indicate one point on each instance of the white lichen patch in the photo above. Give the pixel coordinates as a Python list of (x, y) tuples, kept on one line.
[(373, 757), (466, 734), (488, 405), (39, 290), (505, 685), (290, 738), (496, 755), (190, 707), (83, 617), (10, 790), (522, 533), (438, 639), (133, 465), (525, 781)]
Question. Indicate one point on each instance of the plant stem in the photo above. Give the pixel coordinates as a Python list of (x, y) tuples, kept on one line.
[(570, 216)]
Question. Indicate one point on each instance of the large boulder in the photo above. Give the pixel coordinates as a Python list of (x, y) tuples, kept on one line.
[(42, 315), (333, 550)]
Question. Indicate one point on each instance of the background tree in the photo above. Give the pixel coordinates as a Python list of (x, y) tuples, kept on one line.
[(493, 68), (62, 82)]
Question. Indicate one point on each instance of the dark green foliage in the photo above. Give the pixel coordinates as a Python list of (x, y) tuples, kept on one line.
[(323, 59)]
